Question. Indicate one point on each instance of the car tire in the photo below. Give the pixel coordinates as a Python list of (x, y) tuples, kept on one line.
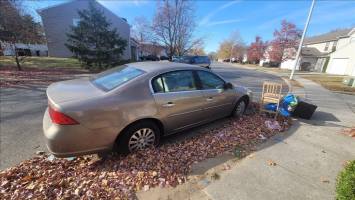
[(240, 108), (130, 139)]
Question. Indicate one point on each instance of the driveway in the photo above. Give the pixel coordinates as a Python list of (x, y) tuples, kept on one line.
[(22, 111)]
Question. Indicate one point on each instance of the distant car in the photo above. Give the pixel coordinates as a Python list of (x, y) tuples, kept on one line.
[(226, 60), (175, 59), (164, 58), (150, 58), (271, 64), (203, 61), (132, 106)]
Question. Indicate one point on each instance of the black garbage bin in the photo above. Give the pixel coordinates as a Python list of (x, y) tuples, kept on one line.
[(304, 110)]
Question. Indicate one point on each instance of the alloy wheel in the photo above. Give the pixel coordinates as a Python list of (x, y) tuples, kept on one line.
[(240, 108), (140, 139)]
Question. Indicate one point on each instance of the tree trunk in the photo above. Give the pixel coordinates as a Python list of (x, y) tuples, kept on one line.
[(17, 61)]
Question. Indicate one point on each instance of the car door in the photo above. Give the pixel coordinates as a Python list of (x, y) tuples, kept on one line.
[(179, 101), (219, 101)]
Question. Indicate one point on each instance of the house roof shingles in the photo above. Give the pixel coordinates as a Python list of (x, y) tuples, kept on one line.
[(331, 36), (311, 51)]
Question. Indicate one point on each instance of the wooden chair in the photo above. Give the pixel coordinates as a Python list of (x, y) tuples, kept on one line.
[(271, 94)]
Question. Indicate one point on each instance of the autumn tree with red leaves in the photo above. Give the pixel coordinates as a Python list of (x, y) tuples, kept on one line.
[(256, 50), (286, 38)]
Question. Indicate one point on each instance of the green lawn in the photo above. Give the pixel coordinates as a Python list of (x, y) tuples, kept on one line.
[(41, 62), (331, 82)]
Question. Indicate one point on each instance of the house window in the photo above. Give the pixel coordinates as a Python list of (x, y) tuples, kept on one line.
[(334, 47), (326, 46), (76, 21)]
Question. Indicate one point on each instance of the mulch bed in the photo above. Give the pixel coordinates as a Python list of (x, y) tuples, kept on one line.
[(119, 176), (11, 77)]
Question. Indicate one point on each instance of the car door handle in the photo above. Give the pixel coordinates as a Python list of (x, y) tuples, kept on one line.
[(209, 99), (169, 104)]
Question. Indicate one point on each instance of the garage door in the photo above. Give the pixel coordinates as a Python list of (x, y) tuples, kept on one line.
[(337, 66)]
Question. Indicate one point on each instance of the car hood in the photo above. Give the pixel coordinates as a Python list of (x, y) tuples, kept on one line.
[(72, 90)]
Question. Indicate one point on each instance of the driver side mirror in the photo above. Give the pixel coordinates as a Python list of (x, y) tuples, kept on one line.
[(228, 86)]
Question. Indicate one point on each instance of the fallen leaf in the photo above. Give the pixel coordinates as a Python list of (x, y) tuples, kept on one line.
[(324, 180), (271, 163), (121, 176)]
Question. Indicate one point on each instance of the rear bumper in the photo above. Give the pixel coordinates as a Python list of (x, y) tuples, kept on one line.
[(73, 140)]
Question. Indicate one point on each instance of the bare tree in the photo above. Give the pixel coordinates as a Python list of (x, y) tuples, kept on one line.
[(18, 27), (197, 49), (232, 47), (143, 33), (142, 30), (212, 55), (174, 24)]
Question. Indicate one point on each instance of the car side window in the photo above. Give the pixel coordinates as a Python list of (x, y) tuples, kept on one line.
[(179, 81), (174, 82), (157, 84), (210, 81)]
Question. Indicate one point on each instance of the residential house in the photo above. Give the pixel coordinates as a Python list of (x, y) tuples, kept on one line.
[(332, 53), (58, 19), (22, 49), (154, 49)]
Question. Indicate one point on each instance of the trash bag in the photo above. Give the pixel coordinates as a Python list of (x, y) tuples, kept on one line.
[(288, 105), (271, 106)]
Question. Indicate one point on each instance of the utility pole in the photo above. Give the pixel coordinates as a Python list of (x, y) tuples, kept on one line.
[(302, 38), (230, 58)]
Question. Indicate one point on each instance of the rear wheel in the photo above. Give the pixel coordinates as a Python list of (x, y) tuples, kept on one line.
[(145, 134), (240, 108)]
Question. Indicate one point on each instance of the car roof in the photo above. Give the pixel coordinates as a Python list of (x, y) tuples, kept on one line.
[(161, 66)]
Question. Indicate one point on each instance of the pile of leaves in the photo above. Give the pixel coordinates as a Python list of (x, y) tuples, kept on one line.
[(349, 131), (120, 176), (10, 77)]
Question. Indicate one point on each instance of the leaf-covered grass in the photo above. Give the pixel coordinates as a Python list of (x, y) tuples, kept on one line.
[(345, 188), (331, 82), (41, 62), (119, 177)]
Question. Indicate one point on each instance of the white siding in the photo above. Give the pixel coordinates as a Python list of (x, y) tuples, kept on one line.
[(338, 66), (288, 64), (345, 50)]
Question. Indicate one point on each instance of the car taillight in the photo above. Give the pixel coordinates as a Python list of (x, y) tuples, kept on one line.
[(60, 118)]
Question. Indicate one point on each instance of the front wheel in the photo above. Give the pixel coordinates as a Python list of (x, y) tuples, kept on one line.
[(240, 108), (139, 136)]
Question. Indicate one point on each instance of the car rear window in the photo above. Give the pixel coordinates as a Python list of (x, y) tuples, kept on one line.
[(115, 77)]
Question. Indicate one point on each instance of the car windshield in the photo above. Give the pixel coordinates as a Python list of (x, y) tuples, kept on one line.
[(115, 77)]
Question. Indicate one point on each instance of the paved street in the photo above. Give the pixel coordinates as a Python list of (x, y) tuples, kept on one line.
[(250, 78), (22, 111)]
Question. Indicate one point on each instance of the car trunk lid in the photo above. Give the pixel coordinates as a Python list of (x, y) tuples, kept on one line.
[(72, 90)]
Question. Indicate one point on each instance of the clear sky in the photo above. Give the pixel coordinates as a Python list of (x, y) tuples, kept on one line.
[(217, 19)]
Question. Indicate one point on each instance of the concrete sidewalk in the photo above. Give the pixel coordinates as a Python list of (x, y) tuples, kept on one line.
[(308, 157)]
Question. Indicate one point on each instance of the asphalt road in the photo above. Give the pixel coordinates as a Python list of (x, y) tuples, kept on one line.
[(21, 112)]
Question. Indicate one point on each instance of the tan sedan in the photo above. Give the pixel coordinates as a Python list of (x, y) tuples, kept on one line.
[(131, 107)]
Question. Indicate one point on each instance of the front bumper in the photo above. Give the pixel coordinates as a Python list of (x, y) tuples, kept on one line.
[(73, 140)]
